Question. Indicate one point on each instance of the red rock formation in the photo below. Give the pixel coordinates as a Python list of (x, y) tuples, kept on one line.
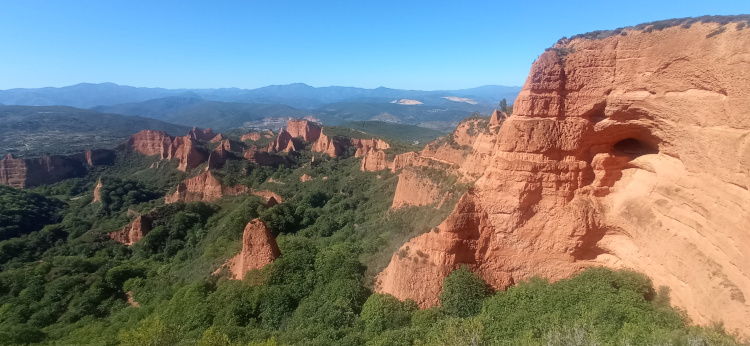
[(228, 149), (309, 131), (497, 118), (264, 158), (134, 231), (203, 187), (12, 171), (271, 197), (284, 143), (415, 190), (630, 152), (197, 134), (149, 142), (333, 146), (365, 145), (218, 138), (258, 249), (98, 191), (305, 178), (373, 161), (253, 136), (188, 152)]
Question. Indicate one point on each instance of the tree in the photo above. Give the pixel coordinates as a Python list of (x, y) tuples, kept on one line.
[(503, 105), (463, 293)]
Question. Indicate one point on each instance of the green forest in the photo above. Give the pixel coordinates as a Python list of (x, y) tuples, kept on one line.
[(63, 281)]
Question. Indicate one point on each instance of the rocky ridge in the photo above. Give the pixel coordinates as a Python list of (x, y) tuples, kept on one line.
[(629, 151)]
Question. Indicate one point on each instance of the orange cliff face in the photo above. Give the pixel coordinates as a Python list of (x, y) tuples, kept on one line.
[(284, 143), (365, 145), (374, 160), (415, 190), (203, 187), (258, 249), (300, 128), (30, 172), (134, 231), (332, 146), (186, 149), (630, 151)]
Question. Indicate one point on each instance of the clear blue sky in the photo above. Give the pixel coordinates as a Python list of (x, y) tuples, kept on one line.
[(247, 44)]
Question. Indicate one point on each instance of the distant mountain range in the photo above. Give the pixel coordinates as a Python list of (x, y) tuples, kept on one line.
[(229, 108)]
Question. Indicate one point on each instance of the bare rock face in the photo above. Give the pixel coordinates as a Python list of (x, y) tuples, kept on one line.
[(228, 149), (271, 197), (30, 172), (264, 158), (630, 151), (307, 130), (217, 139), (188, 152), (332, 146), (134, 231), (197, 134), (284, 143), (415, 190), (258, 249), (12, 171), (149, 142), (305, 178), (203, 187), (373, 161), (98, 191), (365, 145)]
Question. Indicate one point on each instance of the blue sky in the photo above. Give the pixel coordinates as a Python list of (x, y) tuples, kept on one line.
[(424, 45)]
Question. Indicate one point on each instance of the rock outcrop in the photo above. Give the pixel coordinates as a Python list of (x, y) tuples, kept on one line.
[(366, 145), (30, 172), (197, 134), (264, 158), (225, 151), (332, 146), (98, 191), (218, 138), (187, 151), (284, 143), (258, 250), (307, 130), (631, 151), (271, 197), (203, 187), (134, 231), (374, 160), (149, 142), (415, 190)]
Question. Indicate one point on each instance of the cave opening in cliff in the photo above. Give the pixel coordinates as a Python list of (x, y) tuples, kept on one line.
[(634, 147)]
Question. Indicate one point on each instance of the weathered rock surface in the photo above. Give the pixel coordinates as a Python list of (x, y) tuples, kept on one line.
[(203, 187), (225, 151), (631, 151), (218, 138), (197, 134), (365, 145), (284, 143), (252, 136), (415, 190), (30, 172), (264, 158), (305, 178), (98, 191), (188, 152), (374, 160), (149, 142), (333, 146), (134, 231), (258, 249), (271, 197), (307, 130)]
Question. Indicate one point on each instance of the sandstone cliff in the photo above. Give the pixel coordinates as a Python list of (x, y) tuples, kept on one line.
[(365, 145), (201, 135), (631, 151), (203, 187), (30, 172), (374, 160), (134, 231), (284, 143), (97, 191), (300, 128), (258, 249), (332, 146), (415, 190)]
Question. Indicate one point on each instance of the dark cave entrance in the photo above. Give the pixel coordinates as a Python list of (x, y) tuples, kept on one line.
[(634, 147)]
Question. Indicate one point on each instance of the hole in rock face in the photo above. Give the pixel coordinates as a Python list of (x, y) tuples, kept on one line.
[(634, 147)]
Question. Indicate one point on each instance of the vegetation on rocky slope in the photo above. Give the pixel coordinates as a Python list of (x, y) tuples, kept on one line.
[(69, 283)]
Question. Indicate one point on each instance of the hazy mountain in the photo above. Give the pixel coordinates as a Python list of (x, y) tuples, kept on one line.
[(298, 95), (28, 130)]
